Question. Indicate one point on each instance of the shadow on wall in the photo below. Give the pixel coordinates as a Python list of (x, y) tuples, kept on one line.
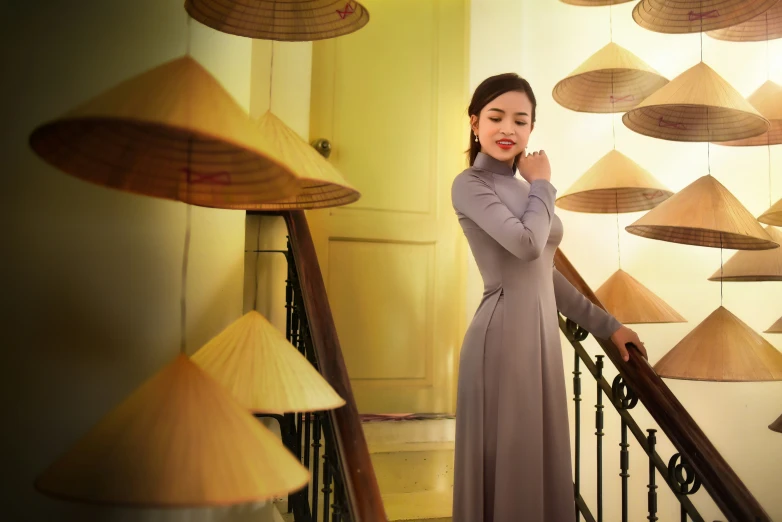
[(91, 276)]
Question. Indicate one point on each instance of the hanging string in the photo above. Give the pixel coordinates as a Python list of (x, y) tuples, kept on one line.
[(611, 22), (613, 115), (188, 225), (770, 200), (257, 260), (186, 251), (258, 240), (701, 39), (187, 49), (721, 278), (618, 245), (768, 56), (271, 76), (701, 20)]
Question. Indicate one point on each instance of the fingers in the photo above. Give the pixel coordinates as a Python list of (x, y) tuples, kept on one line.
[(641, 347), (623, 352)]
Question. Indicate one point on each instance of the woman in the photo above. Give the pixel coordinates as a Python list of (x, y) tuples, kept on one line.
[(512, 433)]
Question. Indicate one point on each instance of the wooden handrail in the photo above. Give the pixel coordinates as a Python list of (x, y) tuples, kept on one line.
[(719, 479), (366, 504)]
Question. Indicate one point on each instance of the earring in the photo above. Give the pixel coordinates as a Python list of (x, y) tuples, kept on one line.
[(476, 138)]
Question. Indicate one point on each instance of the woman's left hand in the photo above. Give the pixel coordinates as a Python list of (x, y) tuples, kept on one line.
[(625, 335)]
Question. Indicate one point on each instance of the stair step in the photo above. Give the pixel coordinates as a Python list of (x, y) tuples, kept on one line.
[(395, 447), (407, 468), (426, 506), (434, 430)]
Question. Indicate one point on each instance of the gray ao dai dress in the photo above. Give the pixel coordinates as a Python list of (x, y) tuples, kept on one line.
[(512, 461)]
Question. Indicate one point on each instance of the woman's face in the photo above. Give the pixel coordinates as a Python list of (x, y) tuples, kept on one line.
[(504, 126)]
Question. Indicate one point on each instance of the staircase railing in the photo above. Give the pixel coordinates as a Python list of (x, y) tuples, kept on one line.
[(697, 462), (343, 487)]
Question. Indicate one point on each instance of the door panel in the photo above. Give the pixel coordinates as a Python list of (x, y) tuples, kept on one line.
[(391, 99)]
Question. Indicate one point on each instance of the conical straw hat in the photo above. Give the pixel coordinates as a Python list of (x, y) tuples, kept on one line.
[(706, 214), (695, 16), (594, 3), (172, 132), (697, 105), (776, 327), (766, 26), (722, 348), (773, 216), (758, 265), (322, 184), (263, 371), (283, 20), (611, 80), (614, 184), (776, 425), (180, 440), (632, 303), (767, 99)]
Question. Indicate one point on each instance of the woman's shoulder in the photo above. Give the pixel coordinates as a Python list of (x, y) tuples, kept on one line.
[(469, 183), (472, 175)]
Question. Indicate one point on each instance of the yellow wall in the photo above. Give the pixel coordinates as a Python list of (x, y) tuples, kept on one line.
[(91, 276), (290, 101), (544, 41)]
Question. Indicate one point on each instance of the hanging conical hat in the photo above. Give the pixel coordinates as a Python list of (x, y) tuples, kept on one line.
[(172, 132), (695, 16), (611, 80), (614, 184), (722, 348), (704, 213), (767, 99), (758, 265), (263, 371), (773, 216), (284, 20), (776, 425), (697, 105), (766, 26), (594, 3), (180, 440), (776, 327), (322, 184), (632, 303)]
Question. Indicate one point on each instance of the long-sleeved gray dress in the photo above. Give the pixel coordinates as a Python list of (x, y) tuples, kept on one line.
[(512, 435)]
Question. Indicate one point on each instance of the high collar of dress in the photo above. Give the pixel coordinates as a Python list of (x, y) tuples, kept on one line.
[(495, 166)]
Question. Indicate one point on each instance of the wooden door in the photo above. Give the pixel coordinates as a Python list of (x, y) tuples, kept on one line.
[(391, 98)]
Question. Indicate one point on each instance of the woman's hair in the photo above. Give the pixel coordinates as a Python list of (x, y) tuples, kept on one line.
[(490, 89)]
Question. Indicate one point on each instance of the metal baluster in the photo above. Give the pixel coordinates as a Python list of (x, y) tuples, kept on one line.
[(577, 334), (652, 487), (577, 400), (299, 435), (681, 474), (600, 434), (326, 482), (315, 463), (307, 462), (339, 494), (289, 295), (624, 399)]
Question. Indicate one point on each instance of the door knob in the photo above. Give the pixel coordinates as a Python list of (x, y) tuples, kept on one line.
[(323, 146)]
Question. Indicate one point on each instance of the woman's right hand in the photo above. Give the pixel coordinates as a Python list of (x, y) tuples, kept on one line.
[(534, 166)]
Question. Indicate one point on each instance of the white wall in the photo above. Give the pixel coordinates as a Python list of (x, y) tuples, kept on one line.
[(91, 276), (545, 41)]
